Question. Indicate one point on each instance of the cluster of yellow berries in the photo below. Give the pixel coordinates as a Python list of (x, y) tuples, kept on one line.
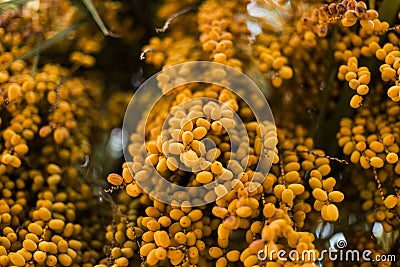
[(181, 234), (200, 136), (301, 159), (390, 69), (289, 51), (370, 149), (48, 233), (41, 200), (270, 217), (49, 121), (358, 79), (370, 138), (347, 11), (26, 28), (283, 59), (269, 58), (371, 141), (163, 52), (324, 195), (23, 96), (220, 31), (51, 88)]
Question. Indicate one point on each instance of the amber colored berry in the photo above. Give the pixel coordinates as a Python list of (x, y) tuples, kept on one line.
[(330, 213), (319, 194), (162, 239), (115, 179), (356, 101), (392, 158), (390, 201), (215, 252), (244, 211), (376, 162), (204, 177), (336, 196)]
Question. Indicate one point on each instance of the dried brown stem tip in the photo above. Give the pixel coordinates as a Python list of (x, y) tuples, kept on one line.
[(175, 15), (143, 54)]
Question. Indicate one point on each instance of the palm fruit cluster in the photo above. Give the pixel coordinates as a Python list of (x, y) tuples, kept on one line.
[(329, 69), (274, 216), (45, 136), (49, 211), (370, 140), (300, 189)]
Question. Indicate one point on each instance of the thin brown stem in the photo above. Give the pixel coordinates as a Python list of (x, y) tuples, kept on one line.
[(174, 16), (316, 154)]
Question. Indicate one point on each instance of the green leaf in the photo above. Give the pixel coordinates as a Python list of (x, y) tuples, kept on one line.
[(371, 4), (96, 17), (388, 11)]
